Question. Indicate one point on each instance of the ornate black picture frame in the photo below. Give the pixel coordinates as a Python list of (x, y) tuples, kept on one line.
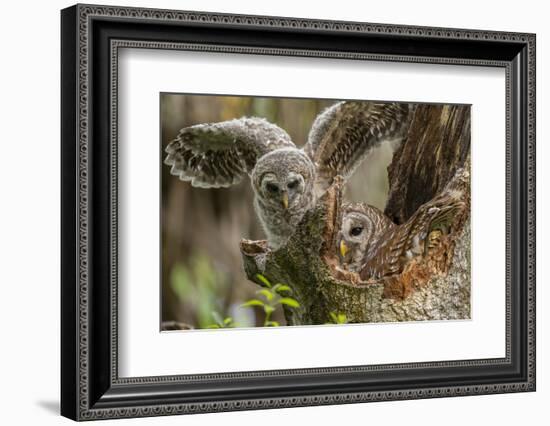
[(91, 387)]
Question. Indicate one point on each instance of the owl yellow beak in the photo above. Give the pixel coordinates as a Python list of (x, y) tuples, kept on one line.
[(285, 200), (343, 248)]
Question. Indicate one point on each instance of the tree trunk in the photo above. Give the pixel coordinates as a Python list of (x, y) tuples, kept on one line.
[(437, 145), (434, 156)]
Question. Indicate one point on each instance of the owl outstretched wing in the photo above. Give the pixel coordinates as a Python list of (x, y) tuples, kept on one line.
[(216, 155), (345, 132)]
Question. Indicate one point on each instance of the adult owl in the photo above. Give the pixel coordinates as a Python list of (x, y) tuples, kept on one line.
[(286, 180), (372, 245)]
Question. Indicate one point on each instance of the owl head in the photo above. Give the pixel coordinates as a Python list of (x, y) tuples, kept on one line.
[(361, 228), (283, 180)]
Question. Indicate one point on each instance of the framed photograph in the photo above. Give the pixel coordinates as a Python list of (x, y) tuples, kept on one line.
[(263, 212)]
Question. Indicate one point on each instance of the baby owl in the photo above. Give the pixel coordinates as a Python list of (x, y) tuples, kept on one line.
[(370, 244), (286, 180)]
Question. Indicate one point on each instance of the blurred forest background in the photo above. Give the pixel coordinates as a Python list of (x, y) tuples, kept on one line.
[(203, 281)]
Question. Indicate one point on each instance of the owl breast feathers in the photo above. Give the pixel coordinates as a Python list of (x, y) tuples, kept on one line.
[(286, 180)]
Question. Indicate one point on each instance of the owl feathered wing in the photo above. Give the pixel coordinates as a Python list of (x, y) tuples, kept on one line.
[(414, 238), (343, 134), (215, 155)]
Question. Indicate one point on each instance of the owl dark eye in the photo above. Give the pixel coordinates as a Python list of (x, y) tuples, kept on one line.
[(271, 187), (356, 231), (293, 184)]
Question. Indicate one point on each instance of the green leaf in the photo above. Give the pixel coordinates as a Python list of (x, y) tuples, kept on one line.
[(272, 324), (204, 272), (264, 280), (181, 281), (334, 318), (289, 301), (217, 317), (252, 302), (342, 319), (227, 321), (268, 309), (281, 287), (266, 293), (213, 326)]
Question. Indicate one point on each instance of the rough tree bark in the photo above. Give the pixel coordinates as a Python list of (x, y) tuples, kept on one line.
[(433, 156), (437, 145)]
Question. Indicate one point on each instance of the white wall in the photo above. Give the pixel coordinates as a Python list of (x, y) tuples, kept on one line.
[(29, 211)]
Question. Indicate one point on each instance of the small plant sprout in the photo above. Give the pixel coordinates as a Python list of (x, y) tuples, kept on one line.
[(337, 318), (270, 298), (220, 322)]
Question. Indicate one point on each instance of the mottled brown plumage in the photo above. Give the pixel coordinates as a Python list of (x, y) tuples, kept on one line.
[(343, 135), (286, 180), (360, 230), (385, 249), (216, 155)]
